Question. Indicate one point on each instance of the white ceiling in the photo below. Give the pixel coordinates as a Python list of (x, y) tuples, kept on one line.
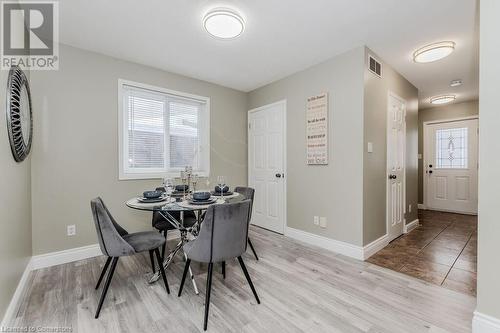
[(281, 37)]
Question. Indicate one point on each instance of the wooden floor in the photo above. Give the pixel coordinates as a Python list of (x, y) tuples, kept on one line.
[(302, 289), (442, 250)]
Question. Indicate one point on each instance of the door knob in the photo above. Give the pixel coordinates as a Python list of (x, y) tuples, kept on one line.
[(278, 175), (430, 171), (392, 176), (430, 165)]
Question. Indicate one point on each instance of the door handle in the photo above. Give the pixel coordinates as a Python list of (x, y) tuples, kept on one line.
[(430, 171), (392, 177), (278, 175)]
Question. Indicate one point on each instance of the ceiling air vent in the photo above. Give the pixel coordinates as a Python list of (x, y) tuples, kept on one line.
[(375, 66)]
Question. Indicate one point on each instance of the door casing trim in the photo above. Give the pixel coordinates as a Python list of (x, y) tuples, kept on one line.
[(282, 102)]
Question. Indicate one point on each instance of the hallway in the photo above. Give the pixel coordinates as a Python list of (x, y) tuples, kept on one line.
[(442, 251)]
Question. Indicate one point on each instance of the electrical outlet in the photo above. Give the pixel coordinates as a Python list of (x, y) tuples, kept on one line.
[(322, 222), (71, 230), (409, 208), (316, 220)]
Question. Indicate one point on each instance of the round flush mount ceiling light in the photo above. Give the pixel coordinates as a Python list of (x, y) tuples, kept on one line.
[(223, 23), (456, 83), (443, 99), (433, 52)]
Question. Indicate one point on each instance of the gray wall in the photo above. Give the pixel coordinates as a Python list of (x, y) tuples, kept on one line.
[(337, 188), (488, 269), (75, 155), (375, 131), (459, 110), (15, 210)]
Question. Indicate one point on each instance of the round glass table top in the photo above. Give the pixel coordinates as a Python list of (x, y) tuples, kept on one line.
[(171, 205)]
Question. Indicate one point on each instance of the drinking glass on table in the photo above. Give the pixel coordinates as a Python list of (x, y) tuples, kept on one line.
[(194, 181), (221, 183), (184, 179)]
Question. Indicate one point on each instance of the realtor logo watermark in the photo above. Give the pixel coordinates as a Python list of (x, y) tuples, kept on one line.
[(30, 35)]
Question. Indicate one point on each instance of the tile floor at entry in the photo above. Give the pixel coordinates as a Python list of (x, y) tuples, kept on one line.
[(442, 250)]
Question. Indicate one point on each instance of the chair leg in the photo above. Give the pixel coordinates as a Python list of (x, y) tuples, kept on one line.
[(253, 250), (164, 247), (152, 261), (162, 270), (104, 269), (207, 296), (106, 286), (223, 269), (243, 267), (186, 269)]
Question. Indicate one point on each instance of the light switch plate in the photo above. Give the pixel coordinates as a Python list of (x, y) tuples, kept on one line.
[(369, 147)]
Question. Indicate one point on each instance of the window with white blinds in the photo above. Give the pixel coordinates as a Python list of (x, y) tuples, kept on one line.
[(162, 132)]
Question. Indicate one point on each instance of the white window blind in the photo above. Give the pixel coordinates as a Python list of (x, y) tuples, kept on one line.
[(162, 133)]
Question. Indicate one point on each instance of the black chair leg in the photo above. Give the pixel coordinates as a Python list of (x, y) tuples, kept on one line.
[(207, 296), (152, 261), (164, 247), (243, 267), (106, 285), (162, 270), (253, 250), (223, 269), (186, 268), (104, 269)]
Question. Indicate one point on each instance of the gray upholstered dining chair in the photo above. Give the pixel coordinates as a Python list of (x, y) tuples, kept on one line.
[(116, 242), (223, 236), (248, 193)]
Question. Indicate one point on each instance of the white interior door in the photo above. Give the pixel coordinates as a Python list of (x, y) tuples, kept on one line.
[(396, 143), (450, 165), (266, 165)]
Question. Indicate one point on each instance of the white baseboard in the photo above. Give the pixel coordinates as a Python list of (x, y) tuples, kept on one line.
[(375, 246), (347, 249), (421, 206), (410, 226), (10, 313), (336, 246), (65, 256), (482, 323)]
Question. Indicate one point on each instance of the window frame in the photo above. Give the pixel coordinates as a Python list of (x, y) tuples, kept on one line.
[(123, 173)]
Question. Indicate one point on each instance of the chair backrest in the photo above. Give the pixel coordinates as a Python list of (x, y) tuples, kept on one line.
[(248, 193), (223, 233), (109, 232)]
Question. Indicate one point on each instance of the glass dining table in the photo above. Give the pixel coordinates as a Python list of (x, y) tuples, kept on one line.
[(170, 205)]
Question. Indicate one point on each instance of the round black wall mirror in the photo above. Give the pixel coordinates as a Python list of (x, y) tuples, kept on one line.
[(19, 114)]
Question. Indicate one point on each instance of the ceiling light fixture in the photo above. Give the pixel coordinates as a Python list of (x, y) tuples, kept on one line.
[(223, 23), (443, 99), (433, 52), (456, 83)]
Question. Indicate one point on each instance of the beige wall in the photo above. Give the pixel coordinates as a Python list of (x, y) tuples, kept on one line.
[(338, 186), (374, 164), (488, 286), (75, 155), (15, 210), (459, 110)]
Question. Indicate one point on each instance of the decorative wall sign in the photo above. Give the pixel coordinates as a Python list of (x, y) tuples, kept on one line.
[(19, 114), (317, 129)]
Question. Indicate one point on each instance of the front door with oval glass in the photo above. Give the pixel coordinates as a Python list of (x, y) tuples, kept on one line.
[(450, 166)]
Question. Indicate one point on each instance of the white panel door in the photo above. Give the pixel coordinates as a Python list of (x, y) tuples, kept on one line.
[(396, 142), (450, 165), (266, 165)]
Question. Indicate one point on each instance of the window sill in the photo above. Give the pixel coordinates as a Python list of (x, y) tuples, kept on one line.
[(157, 176)]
